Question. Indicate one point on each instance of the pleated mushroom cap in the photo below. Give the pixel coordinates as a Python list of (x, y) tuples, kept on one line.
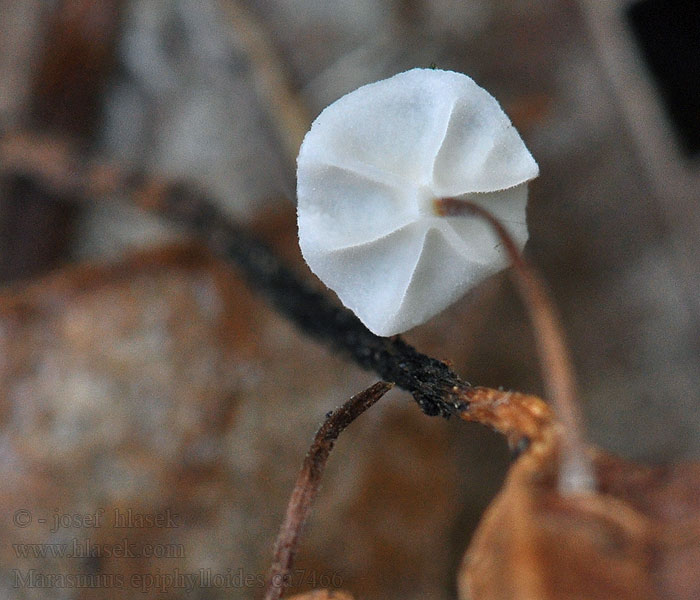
[(367, 174)]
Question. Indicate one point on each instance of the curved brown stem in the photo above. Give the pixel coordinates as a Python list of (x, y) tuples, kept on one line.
[(576, 472), (308, 482)]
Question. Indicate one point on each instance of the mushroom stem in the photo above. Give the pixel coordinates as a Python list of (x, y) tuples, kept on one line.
[(575, 471)]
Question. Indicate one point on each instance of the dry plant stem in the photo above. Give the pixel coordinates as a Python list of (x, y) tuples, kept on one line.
[(308, 482), (576, 471)]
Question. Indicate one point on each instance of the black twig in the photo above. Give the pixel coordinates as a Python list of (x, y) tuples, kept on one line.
[(54, 163), (436, 388)]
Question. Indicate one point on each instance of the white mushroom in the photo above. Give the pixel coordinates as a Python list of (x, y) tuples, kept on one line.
[(369, 172)]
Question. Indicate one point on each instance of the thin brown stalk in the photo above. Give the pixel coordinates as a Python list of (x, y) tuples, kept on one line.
[(308, 482), (576, 472)]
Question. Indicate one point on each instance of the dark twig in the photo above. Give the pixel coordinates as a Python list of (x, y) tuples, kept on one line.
[(308, 482), (434, 386), (53, 163), (557, 370)]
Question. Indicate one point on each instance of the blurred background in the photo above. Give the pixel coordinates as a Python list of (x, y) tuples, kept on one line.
[(138, 372)]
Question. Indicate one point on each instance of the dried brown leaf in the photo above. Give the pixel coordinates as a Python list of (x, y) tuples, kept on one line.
[(637, 536)]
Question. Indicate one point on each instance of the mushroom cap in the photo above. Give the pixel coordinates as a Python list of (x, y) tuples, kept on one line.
[(368, 172)]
